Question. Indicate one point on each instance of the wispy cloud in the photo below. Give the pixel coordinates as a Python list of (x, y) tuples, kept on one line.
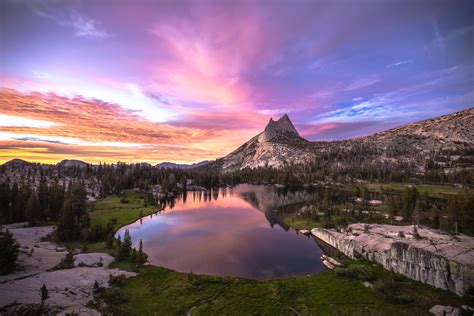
[(463, 34), (359, 84), (87, 27), (82, 25), (405, 103), (18, 121), (274, 111), (399, 63)]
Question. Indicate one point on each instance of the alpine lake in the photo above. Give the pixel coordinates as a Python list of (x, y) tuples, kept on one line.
[(228, 232)]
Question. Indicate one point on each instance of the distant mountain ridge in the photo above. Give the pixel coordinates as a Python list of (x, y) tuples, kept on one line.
[(280, 145), (172, 165), (17, 163), (455, 127), (72, 163)]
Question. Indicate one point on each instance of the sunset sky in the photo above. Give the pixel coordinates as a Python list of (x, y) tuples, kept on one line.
[(184, 81)]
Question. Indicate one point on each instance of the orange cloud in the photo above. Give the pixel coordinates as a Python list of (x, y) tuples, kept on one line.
[(95, 131)]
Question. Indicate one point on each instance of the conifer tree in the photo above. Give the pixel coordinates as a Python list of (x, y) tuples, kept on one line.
[(67, 228), (33, 211), (126, 247), (44, 296), (4, 203), (141, 259), (43, 199), (9, 249)]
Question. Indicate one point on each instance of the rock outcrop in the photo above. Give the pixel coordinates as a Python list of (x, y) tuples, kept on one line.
[(278, 145), (69, 289), (434, 258), (282, 129), (440, 310)]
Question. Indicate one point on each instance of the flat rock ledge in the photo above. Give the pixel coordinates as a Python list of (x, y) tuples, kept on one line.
[(69, 289), (435, 258)]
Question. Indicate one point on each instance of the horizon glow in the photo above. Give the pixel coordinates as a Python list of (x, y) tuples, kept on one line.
[(187, 81)]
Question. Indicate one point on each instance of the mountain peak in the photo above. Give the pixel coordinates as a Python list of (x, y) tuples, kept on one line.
[(283, 128), (72, 163)]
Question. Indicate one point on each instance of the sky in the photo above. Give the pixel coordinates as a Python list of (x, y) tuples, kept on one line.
[(185, 81)]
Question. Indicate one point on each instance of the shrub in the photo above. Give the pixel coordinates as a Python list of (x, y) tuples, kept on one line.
[(357, 271), (114, 296), (8, 252), (118, 280), (68, 261), (390, 290)]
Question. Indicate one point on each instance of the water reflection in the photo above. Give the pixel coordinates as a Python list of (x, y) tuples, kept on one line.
[(227, 232)]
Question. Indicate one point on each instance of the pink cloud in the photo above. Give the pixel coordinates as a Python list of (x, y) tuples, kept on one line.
[(311, 130)]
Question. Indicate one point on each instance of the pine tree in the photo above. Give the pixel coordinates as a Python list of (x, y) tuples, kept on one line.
[(5, 203), (67, 228), (436, 219), (68, 261), (409, 198), (43, 199), (454, 214), (33, 211), (140, 255), (8, 252), (110, 241), (20, 199), (126, 247), (393, 206), (56, 201), (44, 296), (74, 216)]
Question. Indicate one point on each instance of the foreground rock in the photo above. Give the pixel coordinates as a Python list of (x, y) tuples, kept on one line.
[(440, 310), (35, 255), (437, 259), (69, 289)]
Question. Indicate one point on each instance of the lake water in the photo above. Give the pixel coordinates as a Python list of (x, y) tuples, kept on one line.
[(227, 232)]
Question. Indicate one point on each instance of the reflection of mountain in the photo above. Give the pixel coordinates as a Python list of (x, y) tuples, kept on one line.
[(271, 198)]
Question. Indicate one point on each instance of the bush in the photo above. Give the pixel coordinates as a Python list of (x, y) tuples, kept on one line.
[(118, 280), (68, 261), (357, 271), (114, 296), (8, 252), (390, 290)]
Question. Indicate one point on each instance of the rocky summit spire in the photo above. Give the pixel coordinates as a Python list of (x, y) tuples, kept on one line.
[(282, 129)]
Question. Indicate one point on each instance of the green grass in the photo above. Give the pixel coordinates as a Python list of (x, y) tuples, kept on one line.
[(125, 213), (103, 210), (298, 222), (160, 291), (431, 189)]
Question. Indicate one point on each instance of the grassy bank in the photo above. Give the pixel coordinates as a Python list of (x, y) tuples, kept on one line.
[(126, 209), (160, 291), (432, 190), (298, 222)]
